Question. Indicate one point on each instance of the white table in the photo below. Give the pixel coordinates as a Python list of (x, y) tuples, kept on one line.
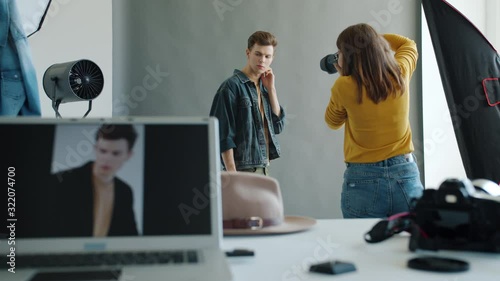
[(287, 257)]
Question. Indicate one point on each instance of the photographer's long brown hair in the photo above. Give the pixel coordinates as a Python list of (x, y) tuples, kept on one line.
[(368, 59)]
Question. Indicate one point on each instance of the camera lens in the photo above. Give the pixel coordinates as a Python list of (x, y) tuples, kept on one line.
[(327, 63)]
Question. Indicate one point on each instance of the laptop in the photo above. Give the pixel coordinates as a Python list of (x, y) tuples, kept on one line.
[(111, 199)]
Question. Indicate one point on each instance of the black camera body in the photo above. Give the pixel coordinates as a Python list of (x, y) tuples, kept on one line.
[(456, 216), (328, 63)]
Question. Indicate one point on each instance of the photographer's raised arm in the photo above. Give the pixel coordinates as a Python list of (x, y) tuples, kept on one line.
[(336, 114), (406, 50)]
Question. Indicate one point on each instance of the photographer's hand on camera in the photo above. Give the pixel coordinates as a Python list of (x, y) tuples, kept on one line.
[(338, 63), (337, 67)]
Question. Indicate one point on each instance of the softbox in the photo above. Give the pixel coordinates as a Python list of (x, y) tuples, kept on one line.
[(470, 70)]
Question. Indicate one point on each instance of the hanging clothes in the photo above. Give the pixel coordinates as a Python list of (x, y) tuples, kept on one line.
[(18, 83)]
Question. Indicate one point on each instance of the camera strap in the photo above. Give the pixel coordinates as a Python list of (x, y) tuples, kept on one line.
[(386, 228)]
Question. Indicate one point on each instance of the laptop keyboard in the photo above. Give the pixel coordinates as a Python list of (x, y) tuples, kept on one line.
[(103, 259)]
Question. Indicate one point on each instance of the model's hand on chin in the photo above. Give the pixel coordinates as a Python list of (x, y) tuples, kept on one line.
[(267, 79)]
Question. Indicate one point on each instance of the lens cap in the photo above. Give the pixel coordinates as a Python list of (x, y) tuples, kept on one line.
[(438, 264)]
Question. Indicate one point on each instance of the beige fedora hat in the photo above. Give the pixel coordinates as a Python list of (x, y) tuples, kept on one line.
[(252, 205)]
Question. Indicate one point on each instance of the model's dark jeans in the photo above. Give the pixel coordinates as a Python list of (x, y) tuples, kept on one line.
[(381, 189)]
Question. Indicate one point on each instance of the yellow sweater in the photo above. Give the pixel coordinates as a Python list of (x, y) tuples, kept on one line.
[(374, 132)]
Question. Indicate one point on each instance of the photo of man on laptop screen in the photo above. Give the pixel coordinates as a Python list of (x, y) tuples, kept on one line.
[(143, 174), (91, 196)]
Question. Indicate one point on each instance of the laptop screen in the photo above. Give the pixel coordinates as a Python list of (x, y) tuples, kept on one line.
[(92, 179)]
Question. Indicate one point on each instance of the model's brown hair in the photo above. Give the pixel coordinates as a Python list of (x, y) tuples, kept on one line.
[(262, 38), (116, 132), (368, 59)]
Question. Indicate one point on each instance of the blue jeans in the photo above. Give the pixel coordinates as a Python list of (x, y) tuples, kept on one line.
[(12, 93), (380, 189)]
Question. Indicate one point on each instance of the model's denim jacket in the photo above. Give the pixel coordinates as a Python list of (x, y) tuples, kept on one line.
[(16, 67), (240, 123)]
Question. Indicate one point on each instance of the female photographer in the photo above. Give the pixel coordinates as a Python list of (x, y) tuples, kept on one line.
[(371, 98)]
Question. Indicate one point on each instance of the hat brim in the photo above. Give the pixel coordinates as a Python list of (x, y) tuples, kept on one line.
[(291, 224)]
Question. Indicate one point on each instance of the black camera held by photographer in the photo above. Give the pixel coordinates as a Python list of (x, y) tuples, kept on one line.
[(328, 63)]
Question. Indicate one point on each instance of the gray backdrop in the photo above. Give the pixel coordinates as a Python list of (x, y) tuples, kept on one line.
[(169, 58)]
